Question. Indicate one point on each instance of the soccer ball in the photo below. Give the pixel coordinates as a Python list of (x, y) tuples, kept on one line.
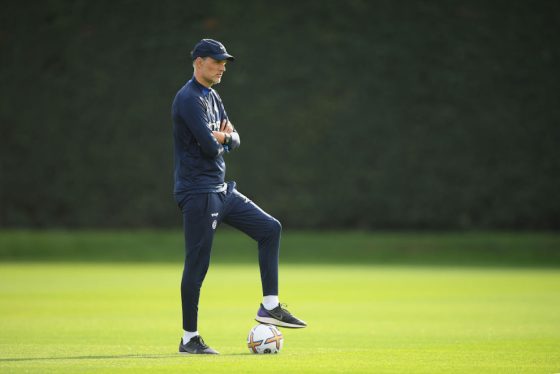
[(264, 339)]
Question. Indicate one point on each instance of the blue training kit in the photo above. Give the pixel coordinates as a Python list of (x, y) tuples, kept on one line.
[(206, 200), (199, 162)]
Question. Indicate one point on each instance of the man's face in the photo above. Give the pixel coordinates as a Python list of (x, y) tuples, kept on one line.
[(211, 71)]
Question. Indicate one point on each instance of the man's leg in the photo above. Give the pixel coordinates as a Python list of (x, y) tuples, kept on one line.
[(246, 216), (199, 226)]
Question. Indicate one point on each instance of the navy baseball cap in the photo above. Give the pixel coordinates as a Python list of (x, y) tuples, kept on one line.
[(211, 48)]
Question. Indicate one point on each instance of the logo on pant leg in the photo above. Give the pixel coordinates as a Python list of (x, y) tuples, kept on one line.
[(214, 224)]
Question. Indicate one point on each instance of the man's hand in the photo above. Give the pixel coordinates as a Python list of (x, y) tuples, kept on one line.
[(220, 136), (225, 128)]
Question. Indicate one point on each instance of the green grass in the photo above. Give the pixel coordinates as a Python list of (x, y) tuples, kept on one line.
[(108, 301), (451, 248), (125, 318)]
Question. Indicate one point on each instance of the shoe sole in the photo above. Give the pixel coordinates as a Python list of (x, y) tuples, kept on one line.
[(195, 354), (275, 322)]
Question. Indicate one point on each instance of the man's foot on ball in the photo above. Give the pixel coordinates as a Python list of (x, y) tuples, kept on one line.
[(196, 346), (279, 317)]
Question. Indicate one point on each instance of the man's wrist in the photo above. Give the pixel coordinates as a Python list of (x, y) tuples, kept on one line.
[(227, 139)]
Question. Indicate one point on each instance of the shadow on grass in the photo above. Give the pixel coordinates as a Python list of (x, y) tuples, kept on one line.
[(105, 357)]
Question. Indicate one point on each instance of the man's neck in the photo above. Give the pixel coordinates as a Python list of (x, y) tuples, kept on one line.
[(202, 82)]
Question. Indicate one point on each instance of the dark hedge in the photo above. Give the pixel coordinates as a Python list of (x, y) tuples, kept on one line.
[(352, 114)]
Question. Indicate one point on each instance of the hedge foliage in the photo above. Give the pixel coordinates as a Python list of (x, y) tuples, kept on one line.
[(352, 114)]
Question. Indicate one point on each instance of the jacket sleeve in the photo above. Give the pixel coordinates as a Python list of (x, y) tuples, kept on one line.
[(193, 112), (235, 139)]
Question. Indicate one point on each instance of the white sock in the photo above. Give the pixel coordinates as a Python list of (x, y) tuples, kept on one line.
[(270, 302), (188, 335)]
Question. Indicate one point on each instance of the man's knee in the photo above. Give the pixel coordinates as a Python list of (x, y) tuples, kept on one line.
[(275, 227)]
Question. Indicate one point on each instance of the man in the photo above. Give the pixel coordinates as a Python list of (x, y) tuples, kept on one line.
[(202, 134)]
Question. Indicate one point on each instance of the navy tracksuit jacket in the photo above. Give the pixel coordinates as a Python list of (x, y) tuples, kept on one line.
[(206, 199)]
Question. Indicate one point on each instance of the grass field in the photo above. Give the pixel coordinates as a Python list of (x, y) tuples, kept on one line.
[(69, 317), (301, 247)]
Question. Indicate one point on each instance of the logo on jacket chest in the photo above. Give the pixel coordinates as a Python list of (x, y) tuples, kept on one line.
[(214, 126)]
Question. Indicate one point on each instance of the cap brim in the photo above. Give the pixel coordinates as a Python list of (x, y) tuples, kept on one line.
[(222, 57)]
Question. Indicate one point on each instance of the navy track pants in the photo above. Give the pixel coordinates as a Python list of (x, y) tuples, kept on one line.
[(202, 213)]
